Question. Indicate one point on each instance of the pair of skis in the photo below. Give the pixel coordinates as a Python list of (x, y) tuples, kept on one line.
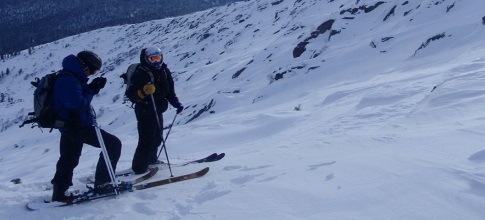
[(124, 186), (211, 158), (132, 185)]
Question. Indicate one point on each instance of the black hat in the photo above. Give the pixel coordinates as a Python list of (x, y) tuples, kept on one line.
[(90, 60)]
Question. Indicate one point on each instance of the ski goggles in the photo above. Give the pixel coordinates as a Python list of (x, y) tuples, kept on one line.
[(157, 58)]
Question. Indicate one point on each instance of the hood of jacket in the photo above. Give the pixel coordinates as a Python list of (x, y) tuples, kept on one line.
[(142, 58), (72, 65)]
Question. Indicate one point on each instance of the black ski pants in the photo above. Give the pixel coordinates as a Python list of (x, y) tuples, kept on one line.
[(70, 151), (149, 137)]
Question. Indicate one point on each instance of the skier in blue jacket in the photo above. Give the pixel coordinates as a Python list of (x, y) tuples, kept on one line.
[(72, 99)]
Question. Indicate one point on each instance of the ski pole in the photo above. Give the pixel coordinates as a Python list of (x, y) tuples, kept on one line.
[(161, 133), (105, 154), (168, 132)]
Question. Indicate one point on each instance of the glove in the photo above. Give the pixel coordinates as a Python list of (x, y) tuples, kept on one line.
[(174, 101), (97, 84), (180, 108), (147, 89)]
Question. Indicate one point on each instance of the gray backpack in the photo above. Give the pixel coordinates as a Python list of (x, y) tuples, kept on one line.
[(44, 114), (129, 94)]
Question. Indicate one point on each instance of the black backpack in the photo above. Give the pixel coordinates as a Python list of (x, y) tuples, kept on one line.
[(129, 94), (44, 114)]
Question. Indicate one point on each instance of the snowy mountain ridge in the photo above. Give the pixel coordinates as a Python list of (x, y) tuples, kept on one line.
[(325, 110)]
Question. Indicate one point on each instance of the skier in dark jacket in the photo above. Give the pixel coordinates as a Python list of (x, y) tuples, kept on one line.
[(72, 99), (152, 80)]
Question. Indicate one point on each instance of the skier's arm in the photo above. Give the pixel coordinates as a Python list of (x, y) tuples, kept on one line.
[(72, 97)]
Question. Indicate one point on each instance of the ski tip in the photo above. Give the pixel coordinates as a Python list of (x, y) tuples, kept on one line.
[(28, 206), (204, 171), (151, 173), (220, 156), (34, 206)]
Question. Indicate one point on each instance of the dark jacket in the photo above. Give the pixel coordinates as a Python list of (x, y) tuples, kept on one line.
[(72, 97), (163, 81)]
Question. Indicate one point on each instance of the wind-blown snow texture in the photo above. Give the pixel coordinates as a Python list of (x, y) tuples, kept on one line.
[(325, 109)]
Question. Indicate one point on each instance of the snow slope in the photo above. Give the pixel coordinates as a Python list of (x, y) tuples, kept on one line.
[(328, 109)]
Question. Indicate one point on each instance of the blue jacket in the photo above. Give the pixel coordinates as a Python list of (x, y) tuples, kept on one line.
[(72, 97)]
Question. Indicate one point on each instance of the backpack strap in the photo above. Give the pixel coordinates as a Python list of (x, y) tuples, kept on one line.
[(28, 121), (148, 71)]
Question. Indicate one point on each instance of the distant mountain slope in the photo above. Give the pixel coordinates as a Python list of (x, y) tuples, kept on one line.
[(29, 23)]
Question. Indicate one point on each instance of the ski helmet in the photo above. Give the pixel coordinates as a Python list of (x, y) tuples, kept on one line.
[(90, 60), (154, 57)]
